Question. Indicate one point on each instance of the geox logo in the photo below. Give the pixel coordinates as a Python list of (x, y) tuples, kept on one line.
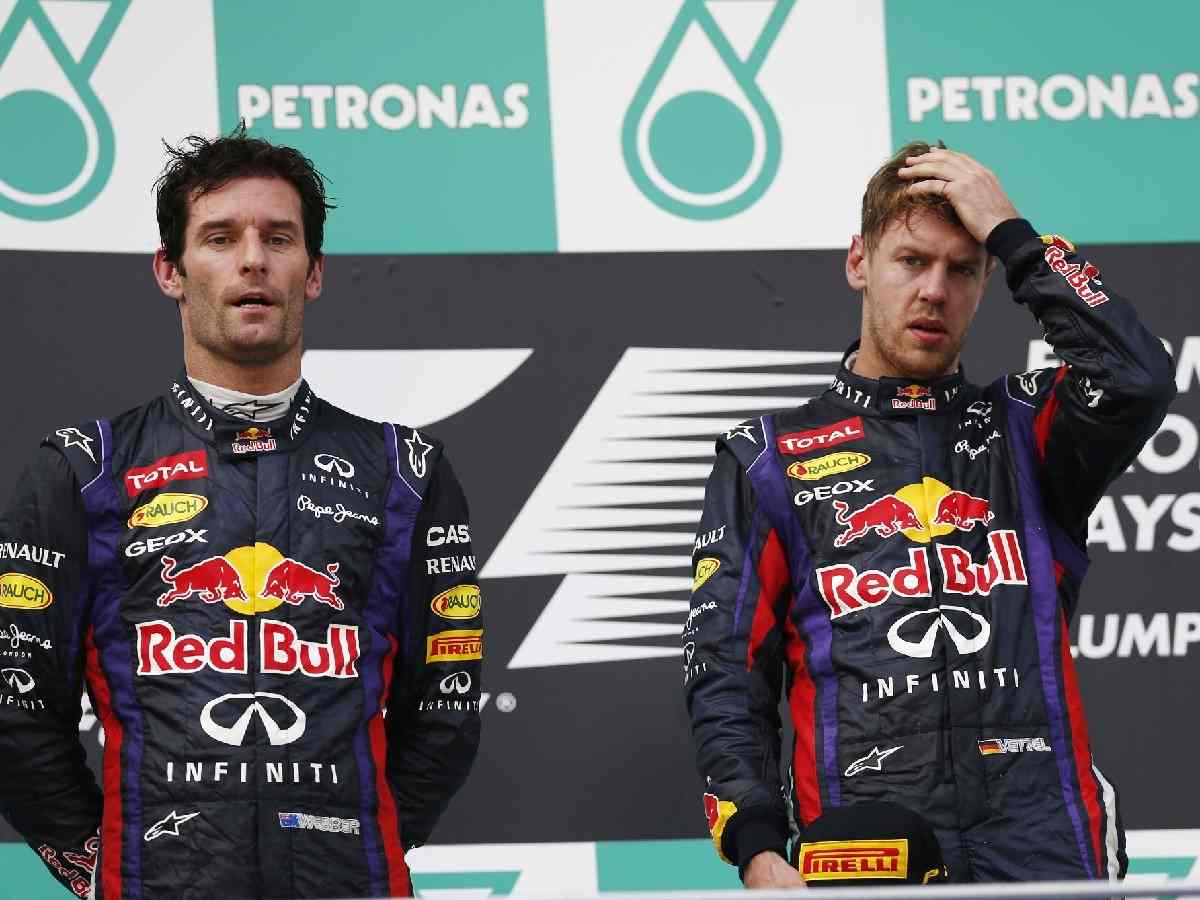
[(615, 511)]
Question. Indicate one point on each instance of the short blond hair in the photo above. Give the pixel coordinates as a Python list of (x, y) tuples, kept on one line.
[(887, 197)]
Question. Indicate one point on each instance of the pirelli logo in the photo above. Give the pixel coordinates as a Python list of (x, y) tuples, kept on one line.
[(454, 646), (843, 860)]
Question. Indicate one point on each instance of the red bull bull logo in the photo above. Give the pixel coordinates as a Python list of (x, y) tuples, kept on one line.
[(914, 391), (291, 581), (885, 516), (213, 580), (230, 579), (921, 512), (963, 511)]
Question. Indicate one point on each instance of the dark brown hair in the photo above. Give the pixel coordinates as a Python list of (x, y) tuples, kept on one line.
[(198, 166), (887, 197)]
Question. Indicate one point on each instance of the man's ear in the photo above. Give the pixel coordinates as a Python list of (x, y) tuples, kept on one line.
[(992, 262), (167, 274), (856, 264)]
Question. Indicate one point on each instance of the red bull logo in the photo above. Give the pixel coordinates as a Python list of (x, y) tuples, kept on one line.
[(160, 651), (914, 396), (921, 512), (253, 440), (1076, 275), (230, 579), (845, 589)]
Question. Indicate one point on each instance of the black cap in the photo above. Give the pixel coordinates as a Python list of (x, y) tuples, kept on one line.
[(869, 843)]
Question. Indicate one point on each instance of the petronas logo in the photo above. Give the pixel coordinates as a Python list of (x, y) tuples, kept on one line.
[(700, 139), (57, 152)]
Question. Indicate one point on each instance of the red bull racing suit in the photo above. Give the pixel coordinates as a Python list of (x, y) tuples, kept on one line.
[(279, 630), (899, 562)]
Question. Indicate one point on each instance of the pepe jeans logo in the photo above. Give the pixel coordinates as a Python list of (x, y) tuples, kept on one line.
[(693, 152), (45, 93)]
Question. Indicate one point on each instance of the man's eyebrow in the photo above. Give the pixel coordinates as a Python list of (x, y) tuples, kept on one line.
[(211, 224), (282, 225)]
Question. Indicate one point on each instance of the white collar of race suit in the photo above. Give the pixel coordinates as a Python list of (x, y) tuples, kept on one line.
[(250, 407)]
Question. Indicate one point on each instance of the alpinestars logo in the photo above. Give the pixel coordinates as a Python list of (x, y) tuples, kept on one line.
[(616, 512)]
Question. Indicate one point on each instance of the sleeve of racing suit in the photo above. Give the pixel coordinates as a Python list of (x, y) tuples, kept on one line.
[(47, 791), (732, 644), (1112, 392), (433, 713)]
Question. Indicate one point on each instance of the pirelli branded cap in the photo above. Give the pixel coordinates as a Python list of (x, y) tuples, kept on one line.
[(870, 843)]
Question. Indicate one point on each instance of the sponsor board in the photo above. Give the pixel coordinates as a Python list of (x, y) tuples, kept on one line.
[(691, 136), (1085, 96), (77, 79), (406, 107)]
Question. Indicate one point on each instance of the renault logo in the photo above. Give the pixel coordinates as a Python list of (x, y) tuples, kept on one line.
[(923, 648), (278, 709)]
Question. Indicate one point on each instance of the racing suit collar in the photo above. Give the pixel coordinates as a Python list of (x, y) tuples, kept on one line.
[(236, 438), (895, 396)]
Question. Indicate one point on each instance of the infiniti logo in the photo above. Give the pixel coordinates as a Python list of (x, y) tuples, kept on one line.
[(235, 735), (19, 679), (456, 683), (327, 462), (923, 648)]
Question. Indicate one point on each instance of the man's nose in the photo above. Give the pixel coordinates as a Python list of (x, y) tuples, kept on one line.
[(254, 254), (933, 285)]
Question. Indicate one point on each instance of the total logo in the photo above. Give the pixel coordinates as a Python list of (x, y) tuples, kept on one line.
[(908, 509), (223, 579), (161, 472)]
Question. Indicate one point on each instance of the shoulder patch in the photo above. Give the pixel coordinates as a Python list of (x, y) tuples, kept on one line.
[(746, 441), (83, 446), (1030, 387), (416, 454)]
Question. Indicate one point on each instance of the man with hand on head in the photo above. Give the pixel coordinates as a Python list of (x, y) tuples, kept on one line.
[(245, 579), (901, 557)]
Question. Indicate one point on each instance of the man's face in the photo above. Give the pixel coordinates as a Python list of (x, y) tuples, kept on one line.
[(248, 274), (921, 286)]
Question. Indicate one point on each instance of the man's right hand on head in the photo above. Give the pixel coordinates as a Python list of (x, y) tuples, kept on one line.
[(770, 870)]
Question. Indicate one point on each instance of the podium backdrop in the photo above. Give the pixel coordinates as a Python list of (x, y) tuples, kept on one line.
[(565, 228)]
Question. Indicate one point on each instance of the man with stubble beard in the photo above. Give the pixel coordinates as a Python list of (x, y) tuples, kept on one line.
[(900, 559), (245, 579)]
